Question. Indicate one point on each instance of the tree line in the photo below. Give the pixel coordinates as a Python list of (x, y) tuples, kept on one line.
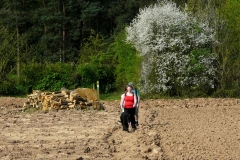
[(47, 44)]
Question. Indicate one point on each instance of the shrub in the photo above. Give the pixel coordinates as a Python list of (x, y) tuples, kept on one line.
[(175, 49)]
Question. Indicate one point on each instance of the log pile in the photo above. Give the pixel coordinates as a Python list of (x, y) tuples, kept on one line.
[(80, 98)]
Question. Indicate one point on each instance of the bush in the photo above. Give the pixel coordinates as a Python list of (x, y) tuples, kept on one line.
[(226, 93), (12, 86), (50, 76), (128, 62), (174, 46)]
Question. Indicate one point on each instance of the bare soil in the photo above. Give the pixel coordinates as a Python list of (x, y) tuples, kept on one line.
[(168, 129)]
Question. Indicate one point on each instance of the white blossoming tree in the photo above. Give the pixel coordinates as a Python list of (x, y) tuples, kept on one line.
[(174, 46)]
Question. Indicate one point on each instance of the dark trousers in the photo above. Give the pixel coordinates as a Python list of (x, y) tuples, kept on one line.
[(131, 113)]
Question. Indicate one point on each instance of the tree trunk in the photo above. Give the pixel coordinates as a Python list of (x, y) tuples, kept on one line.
[(18, 54), (63, 32), (18, 50)]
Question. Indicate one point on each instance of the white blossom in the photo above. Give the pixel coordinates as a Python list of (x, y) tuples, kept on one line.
[(165, 36)]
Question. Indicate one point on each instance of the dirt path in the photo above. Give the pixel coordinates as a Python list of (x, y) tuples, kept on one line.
[(169, 129)]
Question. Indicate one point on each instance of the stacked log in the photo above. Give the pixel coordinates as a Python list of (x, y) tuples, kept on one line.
[(80, 98)]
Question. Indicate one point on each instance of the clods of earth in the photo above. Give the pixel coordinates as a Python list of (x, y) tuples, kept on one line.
[(200, 128)]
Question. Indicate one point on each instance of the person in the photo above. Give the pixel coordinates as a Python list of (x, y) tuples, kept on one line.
[(136, 92), (128, 104)]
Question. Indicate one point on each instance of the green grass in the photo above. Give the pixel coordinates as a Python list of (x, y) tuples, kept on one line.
[(111, 96), (31, 110), (117, 96)]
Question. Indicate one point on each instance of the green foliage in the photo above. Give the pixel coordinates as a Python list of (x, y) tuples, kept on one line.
[(111, 96), (56, 31), (36, 34), (225, 16), (7, 51), (93, 48), (51, 77), (128, 61), (11, 86), (31, 110), (50, 82), (195, 56), (56, 76), (89, 75), (164, 35), (227, 93), (96, 64), (228, 49)]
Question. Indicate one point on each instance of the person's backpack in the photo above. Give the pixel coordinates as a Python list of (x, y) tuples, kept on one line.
[(136, 91)]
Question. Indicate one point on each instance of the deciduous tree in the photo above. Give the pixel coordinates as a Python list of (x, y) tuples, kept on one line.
[(175, 48)]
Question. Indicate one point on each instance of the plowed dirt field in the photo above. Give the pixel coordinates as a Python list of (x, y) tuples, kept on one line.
[(168, 129)]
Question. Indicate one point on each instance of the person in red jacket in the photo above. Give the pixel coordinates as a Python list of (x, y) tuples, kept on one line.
[(128, 103)]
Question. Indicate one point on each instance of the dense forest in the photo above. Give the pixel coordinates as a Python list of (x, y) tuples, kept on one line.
[(48, 44)]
